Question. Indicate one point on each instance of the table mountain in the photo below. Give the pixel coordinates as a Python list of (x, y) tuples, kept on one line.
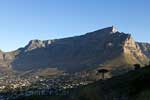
[(106, 46)]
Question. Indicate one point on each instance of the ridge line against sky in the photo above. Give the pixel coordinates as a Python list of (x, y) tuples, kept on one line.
[(25, 20)]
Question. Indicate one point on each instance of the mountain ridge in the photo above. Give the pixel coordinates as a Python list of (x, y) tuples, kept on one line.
[(77, 53)]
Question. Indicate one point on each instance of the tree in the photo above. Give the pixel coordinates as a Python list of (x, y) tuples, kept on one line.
[(137, 66), (102, 72)]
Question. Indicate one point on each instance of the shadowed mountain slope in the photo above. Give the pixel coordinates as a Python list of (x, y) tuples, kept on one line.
[(102, 47)]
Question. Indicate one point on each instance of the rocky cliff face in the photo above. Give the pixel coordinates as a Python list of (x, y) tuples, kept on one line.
[(35, 44), (6, 59), (133, 51), (145, 47), (78, 53)]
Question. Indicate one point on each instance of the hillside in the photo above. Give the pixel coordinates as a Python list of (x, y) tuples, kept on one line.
[(133, 85)]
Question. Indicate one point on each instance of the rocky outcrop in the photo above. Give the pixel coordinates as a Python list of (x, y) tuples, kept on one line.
[(145, 47), (133, 50), (34, 44), (6, 59)]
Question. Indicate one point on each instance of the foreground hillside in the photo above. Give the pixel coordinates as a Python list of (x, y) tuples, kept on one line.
[(133, 85)]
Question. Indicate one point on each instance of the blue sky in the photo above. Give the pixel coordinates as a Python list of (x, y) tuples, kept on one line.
[(24, 20)]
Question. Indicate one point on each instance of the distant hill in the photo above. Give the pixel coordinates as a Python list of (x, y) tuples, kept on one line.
[(106, 48)]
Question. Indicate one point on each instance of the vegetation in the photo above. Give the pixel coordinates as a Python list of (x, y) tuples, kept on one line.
[(137, 66), (133, 85), (102, 72)]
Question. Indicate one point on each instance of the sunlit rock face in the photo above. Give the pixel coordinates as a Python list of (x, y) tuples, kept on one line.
[(76, 53), (1, 55), (132, 49), (145, 47), (33, 44), (6, 59), (114, 29)]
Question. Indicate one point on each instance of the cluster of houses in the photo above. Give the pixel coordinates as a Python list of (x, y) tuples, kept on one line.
[(19, 87), (13, 83)]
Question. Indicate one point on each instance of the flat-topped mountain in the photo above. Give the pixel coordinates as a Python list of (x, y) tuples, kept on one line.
[(107, 47)]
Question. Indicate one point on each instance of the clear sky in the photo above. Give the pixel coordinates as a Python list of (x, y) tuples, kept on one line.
[(24, 20)]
